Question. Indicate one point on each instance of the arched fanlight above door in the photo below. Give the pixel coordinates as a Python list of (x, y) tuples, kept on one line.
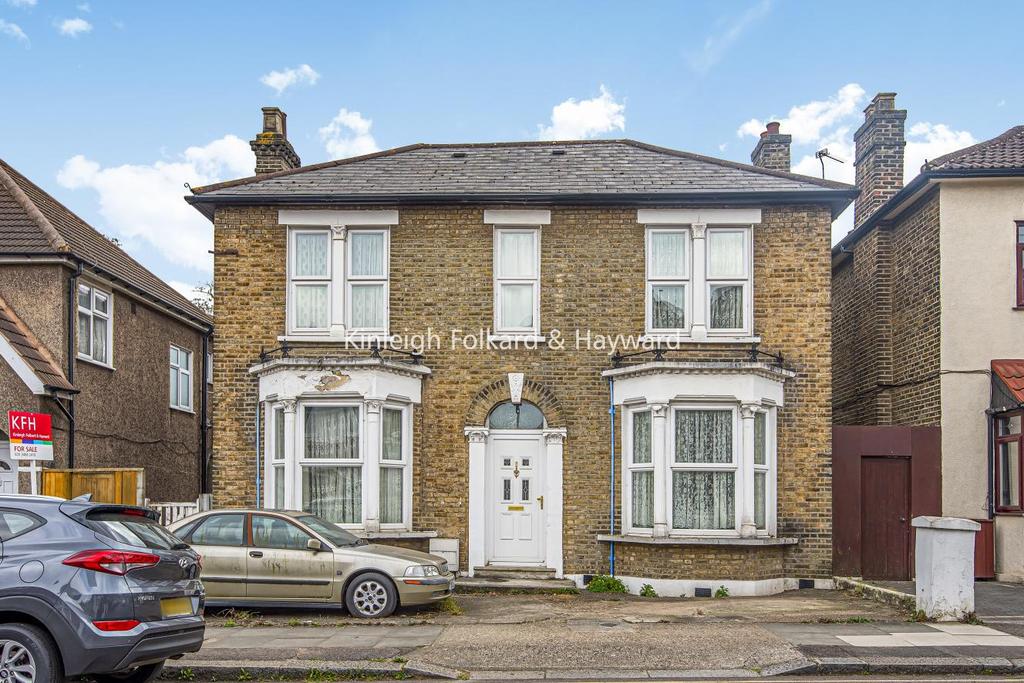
[(508, 415)]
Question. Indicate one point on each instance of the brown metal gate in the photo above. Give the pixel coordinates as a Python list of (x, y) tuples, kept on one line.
[(882, 477)]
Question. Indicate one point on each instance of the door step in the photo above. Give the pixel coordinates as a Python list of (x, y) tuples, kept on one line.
[(476, 584), (532, 573)]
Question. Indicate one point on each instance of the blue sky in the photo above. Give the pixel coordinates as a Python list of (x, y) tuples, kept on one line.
[(112, 106)]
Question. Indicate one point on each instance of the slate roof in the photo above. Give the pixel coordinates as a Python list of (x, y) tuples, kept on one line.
[(1001, 152), (31, 349), (520, 170), (1011, 372), (33, 222)]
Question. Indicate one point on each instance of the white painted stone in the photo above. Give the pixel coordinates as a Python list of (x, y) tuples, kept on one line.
[(945, 566)]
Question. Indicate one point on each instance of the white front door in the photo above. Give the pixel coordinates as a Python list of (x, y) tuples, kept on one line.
[(515, 498)]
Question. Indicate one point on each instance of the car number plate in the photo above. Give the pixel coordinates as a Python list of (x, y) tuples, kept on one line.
[(176, 607)]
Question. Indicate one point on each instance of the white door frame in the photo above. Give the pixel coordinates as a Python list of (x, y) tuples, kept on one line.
[(479, 502)]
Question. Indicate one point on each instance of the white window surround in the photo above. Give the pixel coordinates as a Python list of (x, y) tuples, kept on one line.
[(338, 226), (181, 372), (663, 388), (696, 224), (96, 315), (503, 280)]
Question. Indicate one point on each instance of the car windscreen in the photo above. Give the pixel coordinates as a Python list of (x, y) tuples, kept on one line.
[(331, 532), (132, 529)]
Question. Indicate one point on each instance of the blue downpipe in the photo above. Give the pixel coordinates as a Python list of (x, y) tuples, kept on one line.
[(611, 478)]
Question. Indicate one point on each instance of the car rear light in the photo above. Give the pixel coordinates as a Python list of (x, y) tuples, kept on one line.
[(116, 625), (111, 561)]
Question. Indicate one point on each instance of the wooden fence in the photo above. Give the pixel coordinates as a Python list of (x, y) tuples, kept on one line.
[(126, 486)]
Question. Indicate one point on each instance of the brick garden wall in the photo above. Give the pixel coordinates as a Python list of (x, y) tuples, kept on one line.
[(592, 277)]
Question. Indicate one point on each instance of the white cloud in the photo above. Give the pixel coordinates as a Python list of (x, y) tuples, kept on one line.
[(74, 27), (581, 119), (348, 135), (303, 74), (830, 124), (144, 202), (927, 141), (717, 44), (13, 30), (806, 122), (21, 3)]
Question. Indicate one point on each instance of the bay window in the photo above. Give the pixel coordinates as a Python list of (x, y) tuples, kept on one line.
[(1009, 448), (347, 461), (517, 281), (95, 313), (699, 469)]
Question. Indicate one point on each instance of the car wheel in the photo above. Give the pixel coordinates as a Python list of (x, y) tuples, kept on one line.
[(140, 674), (28, 655), (371, 595)]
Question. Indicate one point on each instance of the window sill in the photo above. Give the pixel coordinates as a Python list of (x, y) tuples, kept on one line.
[(757, 541), (355, 338), (90, 361), (526, 338), (395, 534), (179, 409), (710, 339)]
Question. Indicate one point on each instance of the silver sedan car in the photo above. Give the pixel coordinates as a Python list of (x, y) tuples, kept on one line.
[(261, 558)]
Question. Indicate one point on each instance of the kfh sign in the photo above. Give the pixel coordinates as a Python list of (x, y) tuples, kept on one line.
[(31, 436)]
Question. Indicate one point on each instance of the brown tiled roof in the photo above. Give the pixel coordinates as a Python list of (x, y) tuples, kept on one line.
[(33, 222), (1001, 152), (31, 349), (1011, 372)]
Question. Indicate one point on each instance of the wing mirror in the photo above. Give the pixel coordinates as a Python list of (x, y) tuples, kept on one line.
[(314, 545)]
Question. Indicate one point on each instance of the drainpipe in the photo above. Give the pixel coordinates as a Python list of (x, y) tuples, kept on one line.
[(204, 422), (72, 351), (611, 478)]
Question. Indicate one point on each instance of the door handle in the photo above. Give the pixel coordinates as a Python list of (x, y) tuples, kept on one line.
[(255, 553), (540, 499)]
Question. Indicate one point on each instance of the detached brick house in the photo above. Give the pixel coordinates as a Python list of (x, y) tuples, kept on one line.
[(518, 264), (928, 298), (112, 353)]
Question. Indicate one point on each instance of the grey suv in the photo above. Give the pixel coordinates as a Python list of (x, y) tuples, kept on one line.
[(89, 588)]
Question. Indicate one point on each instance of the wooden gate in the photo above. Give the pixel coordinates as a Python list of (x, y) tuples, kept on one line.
[(107, 485), (882, 477)]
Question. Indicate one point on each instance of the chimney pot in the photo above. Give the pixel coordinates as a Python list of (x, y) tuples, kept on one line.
[(773, 128), (271, 147)]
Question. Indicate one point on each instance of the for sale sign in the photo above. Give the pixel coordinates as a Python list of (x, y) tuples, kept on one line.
[(31, 436)]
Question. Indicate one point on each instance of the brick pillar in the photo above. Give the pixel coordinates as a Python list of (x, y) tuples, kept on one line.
[(879, 155), (772, 150), (272, 149)]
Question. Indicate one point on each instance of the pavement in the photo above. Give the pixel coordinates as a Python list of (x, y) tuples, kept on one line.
[(529, 637)]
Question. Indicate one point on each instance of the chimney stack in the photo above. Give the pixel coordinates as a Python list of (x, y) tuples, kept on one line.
[(878, 157), (272, 149), (772, 150)]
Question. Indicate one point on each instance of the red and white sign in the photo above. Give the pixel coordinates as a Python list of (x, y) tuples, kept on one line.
[(31, 435)]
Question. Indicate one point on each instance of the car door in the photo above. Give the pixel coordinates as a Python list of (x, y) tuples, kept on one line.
[(220, 540), (280, 565)]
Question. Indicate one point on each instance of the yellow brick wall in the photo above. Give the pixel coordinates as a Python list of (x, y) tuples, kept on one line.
[(592, 277)]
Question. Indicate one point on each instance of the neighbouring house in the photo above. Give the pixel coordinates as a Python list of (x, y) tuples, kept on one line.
[(928, 342), (431, 345), (113, 354)]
